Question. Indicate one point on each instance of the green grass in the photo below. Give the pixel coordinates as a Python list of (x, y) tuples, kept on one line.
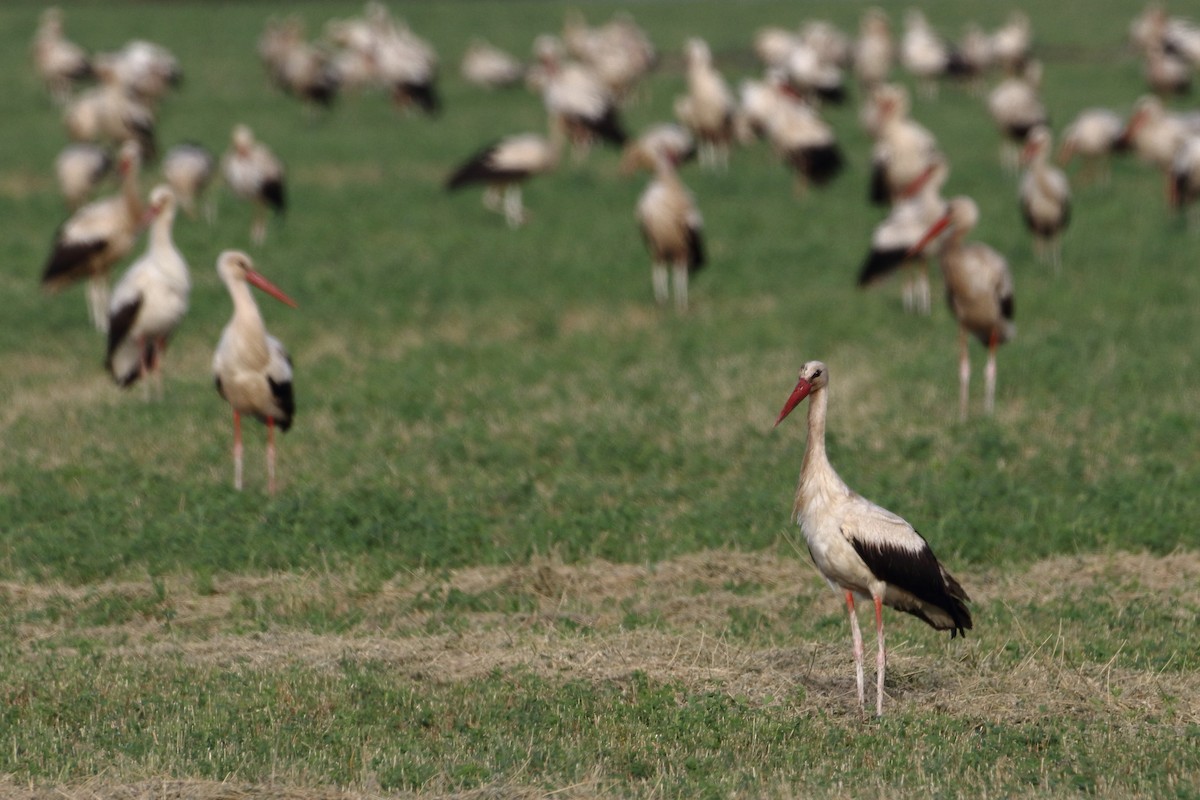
[(474, 398)]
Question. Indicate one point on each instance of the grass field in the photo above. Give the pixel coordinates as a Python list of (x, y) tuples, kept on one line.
[(532, 537)]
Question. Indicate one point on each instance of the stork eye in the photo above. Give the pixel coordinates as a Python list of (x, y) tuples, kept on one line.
[(816, 374)]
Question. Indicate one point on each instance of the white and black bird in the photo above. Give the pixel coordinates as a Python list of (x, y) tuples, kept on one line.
[(863, 550), (1045, 197), (251, 368), (503, 166), (254, 174), (189, 169), (149, 301)]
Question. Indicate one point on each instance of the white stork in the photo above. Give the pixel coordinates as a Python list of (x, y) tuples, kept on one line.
[(189, 168), (96, 237), (251, 368), (503, 167), (254, 174), (1016, 107), (918, 207), (149, 301), (671, 226), (979, 290), (708, 107), (1045, 196), (79, 167), (874, 51), (1094, 134), (864, 550), (59, 61)]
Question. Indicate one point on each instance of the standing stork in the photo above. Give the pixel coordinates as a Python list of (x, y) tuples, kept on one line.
[(1016, 108), (254, 174), (580, 106), (671, 226), (708, 107), (79, 167), (149, 301), (59, 61), (503, 166), (1045, 197), (189, 168), (1095, 134), (979, 290), (874, 50), (904, 148), (917, 209), (251, 368), (864, 550), (96, 237)]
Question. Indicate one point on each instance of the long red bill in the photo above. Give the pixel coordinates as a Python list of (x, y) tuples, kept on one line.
[(801, 391), (930, 235), (257, 279)]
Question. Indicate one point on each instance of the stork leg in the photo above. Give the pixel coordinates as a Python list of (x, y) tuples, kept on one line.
[(964, 374), (492, 197), (237, 450), (658, 274), (271, 455), (160, 347), (97, 297), (909, 290), (857, 640), (923, 306), (989, 376), (514, 211), (881, 658), (258, 229), (680, 279)]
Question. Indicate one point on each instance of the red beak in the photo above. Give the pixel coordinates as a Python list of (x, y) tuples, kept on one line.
[(257, 279), (930, 235), (915, 185), (801, 391)]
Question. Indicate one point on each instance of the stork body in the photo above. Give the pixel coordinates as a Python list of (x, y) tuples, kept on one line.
[(149, 301), (923, 53), (503, 167), (484, 64), (256, 175), (979, 291), (1045, 197), (805, 142), (579, 104), (864, 550), (96, 237), (59, 61), (251, 368), (874, 51), (904, 148)]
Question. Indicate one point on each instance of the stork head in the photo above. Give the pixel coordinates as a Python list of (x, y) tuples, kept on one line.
[(234, 267), (814, 375), (243, 138), (162, 201), (129, 157)]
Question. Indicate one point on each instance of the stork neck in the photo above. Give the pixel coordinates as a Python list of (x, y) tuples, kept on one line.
[(129, 191), (160, 231), (815, 458)]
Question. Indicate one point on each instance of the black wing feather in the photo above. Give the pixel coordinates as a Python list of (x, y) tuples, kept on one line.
[(921, 575)]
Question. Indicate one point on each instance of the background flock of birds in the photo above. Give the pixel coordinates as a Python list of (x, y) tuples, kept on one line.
[(585, 76)]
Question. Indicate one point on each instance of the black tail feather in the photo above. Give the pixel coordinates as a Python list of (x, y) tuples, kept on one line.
[(879, 264)]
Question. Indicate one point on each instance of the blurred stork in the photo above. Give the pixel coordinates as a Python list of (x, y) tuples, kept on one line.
[(671, 226), (251, 368), (189, 169), (1094, 134), (149, 301), (580, 106), (904, 149), (708, 107), (254, 174), (979, 290), (484, 64), (503, 167), (923, 53), (874, 51), (1016, 107), (60, 62), (96, 237), (79, 168), (1045, 197)]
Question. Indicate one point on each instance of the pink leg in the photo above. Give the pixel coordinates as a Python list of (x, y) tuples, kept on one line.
[(964, 375), (237, 450), (989, 377), (271, 455), (856, 638), (881, 659)]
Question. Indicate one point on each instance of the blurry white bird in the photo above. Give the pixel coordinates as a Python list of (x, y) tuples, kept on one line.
[(254, 174), (1045, 196), (149, 301), (97, 236), (80, 167), (503, 167), (189, 169)]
